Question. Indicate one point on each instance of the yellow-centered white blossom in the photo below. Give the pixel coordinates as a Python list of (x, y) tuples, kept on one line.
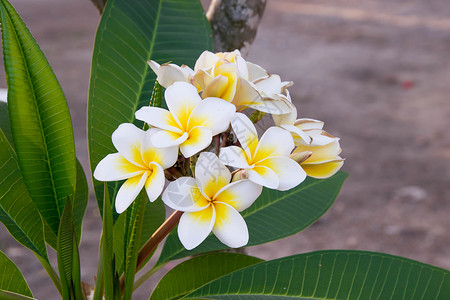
[(267, 160), (190, 121), (138, 161), (211, 203)]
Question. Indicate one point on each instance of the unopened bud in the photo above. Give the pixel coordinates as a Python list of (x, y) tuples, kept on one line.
[(300, 156), (240, 175)]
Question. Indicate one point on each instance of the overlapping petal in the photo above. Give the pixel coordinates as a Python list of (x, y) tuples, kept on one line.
[(159, 117), (115, 167), (194, 227), (213, 113), (181, 99), (264, 176), (229, 226), (184, 194), (234, 156), (240, 194), (245, 132), (165, 157), (165, 138), (211, 174), (129, 191), (289, 172), (128, 140), (274, 142), (198, 139), (154, 184)]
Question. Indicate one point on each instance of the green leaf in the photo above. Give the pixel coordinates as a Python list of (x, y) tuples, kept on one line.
[(5, 295), (12, 280), (25, 225), (4, 122), (107, 247), (338, 274), (68, 257), (40, 119), (154, 216), (129, 34), (198, 271), (274, 215), (132, 245), (80, 200)]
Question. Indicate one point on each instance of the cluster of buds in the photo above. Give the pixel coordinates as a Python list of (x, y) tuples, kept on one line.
[(209, 150)]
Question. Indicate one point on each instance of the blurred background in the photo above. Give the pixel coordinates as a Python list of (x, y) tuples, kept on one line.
[(376, 71)]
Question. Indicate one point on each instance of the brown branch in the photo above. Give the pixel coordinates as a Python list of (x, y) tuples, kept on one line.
[(235, 23)]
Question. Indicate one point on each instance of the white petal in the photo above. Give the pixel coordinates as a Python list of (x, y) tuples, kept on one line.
[(233, 156), (194, 227), (158, 117), (321, 153), (164, 138), (306, 124), (241, 65), (213, 113), (286, 119), (129, 191), (211, 174), (230, 227), (246, 95), (128, 140), (274, 142), (297, 133), (323, 170), (273, 106), (269, 85), (289, 172), (199, 138), (115, 167), (181, 98), (165, 157), (167, 74), (245, 131), (155, 182), (240, 194), (255, 71), (206, 60), (264, 176), (183, 194)]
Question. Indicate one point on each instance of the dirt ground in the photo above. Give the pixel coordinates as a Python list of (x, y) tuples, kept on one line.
[(376, 71)]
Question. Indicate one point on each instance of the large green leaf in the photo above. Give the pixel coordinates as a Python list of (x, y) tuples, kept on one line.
[(11, 279), (337, 274), (274, 215), (40, 119), (17, 211), (198, 271), (130, 33), (80, 200)]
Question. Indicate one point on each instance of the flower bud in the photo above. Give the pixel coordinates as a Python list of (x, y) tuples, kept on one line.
[(240, 174)]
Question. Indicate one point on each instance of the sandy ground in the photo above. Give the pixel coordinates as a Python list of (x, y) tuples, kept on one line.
[(377, 72)]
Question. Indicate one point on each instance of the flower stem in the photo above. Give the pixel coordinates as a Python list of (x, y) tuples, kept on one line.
[(157, 237)]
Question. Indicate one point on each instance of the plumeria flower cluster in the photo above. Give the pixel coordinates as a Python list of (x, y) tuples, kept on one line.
[(203, 155)]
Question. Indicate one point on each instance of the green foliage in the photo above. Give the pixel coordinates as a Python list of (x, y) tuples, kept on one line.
[(12, 280), (130, 33), (4, 122), (68, 257), (132, 244), (80, 200), (25, 225), (337, 274), (40, 119), (199, 271), (284, 214)]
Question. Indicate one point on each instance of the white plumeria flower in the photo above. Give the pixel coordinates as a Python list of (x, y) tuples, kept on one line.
[(267, 160), (211, 203), (268, 85), (190, 122), (138, 161), (167, 74), (322, 153)]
